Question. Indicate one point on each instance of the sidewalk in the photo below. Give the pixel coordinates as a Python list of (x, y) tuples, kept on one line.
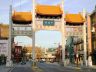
[(80, 67), (93, 66), (74, 66)]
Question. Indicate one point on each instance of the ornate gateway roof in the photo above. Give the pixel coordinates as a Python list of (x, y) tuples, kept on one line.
[(48, 10), (74, 18), (45, 10), (22, 17)]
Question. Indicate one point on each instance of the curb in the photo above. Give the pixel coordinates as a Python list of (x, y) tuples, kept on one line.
[(77, 68), (92, 67)]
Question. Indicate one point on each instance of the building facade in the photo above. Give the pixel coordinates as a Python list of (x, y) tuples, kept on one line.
[(4, 47), (93, 28), (4, 39)]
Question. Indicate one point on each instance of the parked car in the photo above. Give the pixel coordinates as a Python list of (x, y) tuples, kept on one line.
[(41, 61), (23, 62)]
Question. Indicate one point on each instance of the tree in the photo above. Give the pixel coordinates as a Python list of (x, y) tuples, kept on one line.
[(38, 52), (23, 53)]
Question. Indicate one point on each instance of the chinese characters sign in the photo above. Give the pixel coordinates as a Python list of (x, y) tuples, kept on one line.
[(48, 22)]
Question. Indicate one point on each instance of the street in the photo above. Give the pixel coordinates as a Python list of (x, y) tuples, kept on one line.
[(23, 68), (52, 67)]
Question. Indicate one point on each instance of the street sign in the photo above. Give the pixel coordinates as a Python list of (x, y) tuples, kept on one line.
[(48, 22)]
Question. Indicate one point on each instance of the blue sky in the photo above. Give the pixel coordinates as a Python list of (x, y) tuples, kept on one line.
[(43, 38)]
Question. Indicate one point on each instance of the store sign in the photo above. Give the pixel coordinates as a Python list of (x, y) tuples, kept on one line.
[(48, 22)]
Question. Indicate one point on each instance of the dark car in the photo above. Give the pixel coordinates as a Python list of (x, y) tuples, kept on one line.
[(23, 62), (41, 61)]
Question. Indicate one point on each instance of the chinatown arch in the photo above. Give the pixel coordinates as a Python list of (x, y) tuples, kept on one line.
[(49, 17)]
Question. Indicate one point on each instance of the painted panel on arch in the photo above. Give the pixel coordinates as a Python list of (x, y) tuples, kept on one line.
[(48, 22)]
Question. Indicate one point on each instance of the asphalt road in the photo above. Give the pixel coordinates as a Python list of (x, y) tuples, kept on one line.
[(51, 67), (22, 69)]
